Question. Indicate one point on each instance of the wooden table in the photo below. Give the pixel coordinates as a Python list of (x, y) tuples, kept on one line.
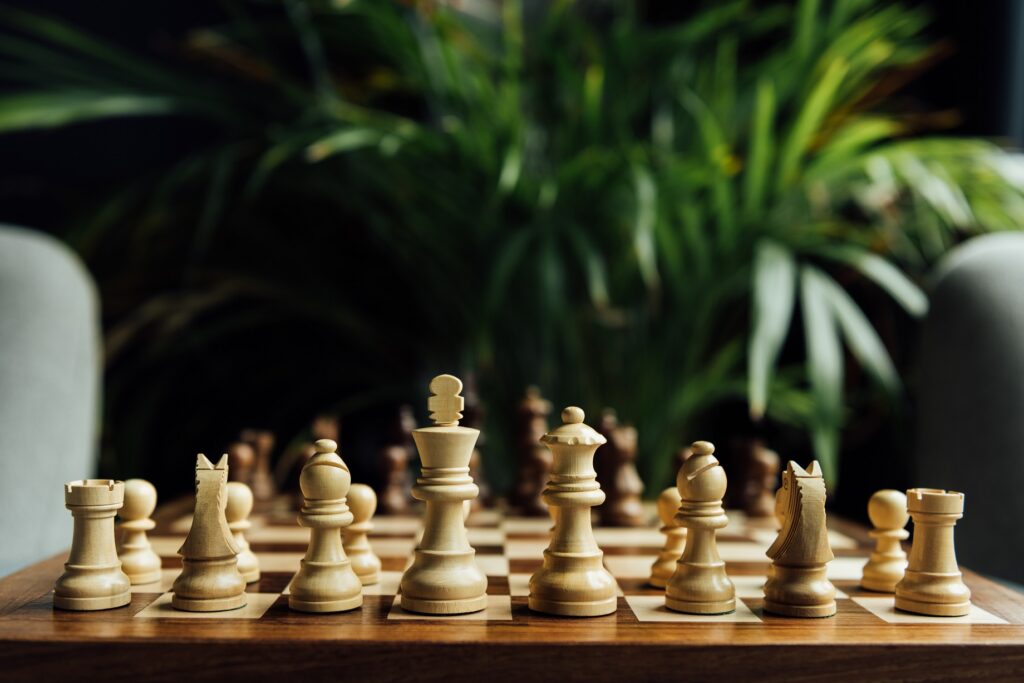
[(144, 642)]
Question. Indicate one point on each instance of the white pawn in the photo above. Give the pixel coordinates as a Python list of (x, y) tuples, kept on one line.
[(675, 538), (887, 510), (240, 501), (325, 582), (363, 503), (138, 559)]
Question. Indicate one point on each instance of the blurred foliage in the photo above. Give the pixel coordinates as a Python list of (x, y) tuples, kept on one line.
[(629, 213)]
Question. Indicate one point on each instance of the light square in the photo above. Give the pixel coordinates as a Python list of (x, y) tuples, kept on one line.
[(841, 541), (738, 551), (499, 608), (525, 549), (393, 547), (629, 537), (651, 608), (527, 525), (884, 608), (166, 546), (395, 525), (846, 568), (279, 534), (388, 584), (257, 605), (519, 585), (629, 566), (493, 565), (279, 562), (485, 518), (485, 536)]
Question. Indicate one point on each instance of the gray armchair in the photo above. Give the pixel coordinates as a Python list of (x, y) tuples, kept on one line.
[(49, 391), (970, 415)]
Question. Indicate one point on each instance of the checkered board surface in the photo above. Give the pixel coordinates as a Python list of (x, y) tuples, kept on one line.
[(508, 550)]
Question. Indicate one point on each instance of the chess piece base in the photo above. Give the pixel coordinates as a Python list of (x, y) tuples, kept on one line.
[(208, 604), (588, 608), (251, 576), (248, 566), (143, 578), (933, 609), (90, 604), (658, 581), (689, 607), (342, 605), (369, 578), (879, 585), (802, 611), (463, 606), (141, 565)]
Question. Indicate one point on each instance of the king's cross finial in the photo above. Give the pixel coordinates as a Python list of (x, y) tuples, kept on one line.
[(445, 404)]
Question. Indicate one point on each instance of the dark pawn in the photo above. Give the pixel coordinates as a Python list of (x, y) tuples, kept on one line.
[(762, 475), (241, 461), (262, 483), (616, 472), (290, 464), (396, 496), (533, 458)]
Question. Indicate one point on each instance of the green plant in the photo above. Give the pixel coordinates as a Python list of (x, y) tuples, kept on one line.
[(624, 212)]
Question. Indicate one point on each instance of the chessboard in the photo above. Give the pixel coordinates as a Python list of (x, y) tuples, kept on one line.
[(148, 640)]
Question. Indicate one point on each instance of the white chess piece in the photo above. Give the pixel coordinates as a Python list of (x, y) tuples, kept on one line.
[(240, 502), (444, 577), (92, 577), (798, 584), (362, 501), (326, 581), (887, 510), (700, 584), (209, 580), (675, 538), (138, 560), (932, 583), (573, 581)]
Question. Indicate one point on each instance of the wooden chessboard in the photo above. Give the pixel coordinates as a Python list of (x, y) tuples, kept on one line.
[(148, 640)]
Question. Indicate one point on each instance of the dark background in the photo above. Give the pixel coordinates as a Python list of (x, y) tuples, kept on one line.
[(48, 178)]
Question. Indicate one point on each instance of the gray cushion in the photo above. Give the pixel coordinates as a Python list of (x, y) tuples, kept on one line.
[(49, 391), (970, 417)]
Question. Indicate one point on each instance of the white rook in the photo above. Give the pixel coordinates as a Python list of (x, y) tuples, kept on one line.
[(92, 576)]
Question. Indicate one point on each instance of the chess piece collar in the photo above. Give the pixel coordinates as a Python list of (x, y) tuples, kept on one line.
[(573, 432)]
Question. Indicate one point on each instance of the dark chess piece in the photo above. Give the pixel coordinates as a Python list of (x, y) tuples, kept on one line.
[(241, 461), (533, 458), (472, 416), (616, 472), (325, 426), (262, 443), (396, 497), (297, 454), (762, 475), (682, 455)]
